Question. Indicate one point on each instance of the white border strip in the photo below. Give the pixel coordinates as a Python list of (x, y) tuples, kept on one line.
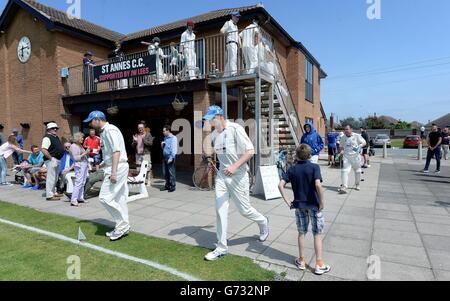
[(103, 250)]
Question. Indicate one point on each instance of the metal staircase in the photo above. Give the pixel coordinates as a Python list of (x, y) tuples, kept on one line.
[(288, 127)]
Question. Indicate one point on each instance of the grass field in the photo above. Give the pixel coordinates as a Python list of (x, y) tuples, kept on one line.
[(28, 256)]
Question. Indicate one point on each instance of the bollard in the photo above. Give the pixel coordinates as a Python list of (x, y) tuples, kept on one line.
[(385, 155), (419, 151)]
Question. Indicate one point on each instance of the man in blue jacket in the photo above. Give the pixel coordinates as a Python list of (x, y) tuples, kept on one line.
[(313, 139), (170, 149)]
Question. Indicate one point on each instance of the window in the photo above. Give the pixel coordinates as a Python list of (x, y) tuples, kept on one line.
[(309, 72)]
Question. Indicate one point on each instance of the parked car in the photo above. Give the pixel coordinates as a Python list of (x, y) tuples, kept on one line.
[(380, 139), (411, 141)]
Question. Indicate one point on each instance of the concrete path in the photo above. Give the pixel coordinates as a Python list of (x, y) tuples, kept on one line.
[(400, 216)]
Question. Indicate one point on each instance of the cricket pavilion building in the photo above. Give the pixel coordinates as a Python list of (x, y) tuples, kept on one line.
[(42, 79)]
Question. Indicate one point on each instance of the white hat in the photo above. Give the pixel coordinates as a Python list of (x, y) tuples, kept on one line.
[(52, 125)]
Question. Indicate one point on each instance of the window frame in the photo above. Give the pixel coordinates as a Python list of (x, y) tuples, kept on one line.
[(309, 80)]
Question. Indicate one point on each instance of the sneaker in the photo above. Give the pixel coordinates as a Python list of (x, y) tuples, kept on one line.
[(74, 204), (358, 188), (342, 190), (437, 172), (425, 171), (53, 199), (117, 235), (320, 270), (264, 231), (300, 263), (214, 255), (110, 233), (368, 166), (83, 201)]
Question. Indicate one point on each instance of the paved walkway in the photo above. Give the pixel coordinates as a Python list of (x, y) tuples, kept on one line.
[(401, 216)]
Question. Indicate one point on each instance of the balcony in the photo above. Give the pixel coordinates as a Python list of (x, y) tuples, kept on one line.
[(172, 66)]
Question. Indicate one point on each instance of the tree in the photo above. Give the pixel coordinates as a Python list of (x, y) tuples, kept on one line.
[(355, 123), (374, 122), (402, 125)]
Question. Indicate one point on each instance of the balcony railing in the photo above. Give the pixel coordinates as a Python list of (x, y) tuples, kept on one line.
[(175, 64)]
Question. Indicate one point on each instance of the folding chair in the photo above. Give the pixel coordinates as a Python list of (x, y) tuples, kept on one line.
[(139, 181)]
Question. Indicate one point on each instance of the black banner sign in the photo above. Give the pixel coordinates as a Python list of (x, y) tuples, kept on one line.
[(126, 68)]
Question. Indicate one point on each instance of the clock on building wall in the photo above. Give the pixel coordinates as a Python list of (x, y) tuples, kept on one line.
[(24, 49)]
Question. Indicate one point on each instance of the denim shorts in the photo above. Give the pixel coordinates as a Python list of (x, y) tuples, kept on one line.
[(303, 216)]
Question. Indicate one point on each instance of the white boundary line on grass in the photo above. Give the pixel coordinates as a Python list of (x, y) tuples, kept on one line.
[(103, 250)]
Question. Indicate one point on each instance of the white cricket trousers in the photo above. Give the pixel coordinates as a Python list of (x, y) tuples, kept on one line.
[(350, 163), (237, 189), (114, 197), (250, 58), (191, 62), (231, 62)]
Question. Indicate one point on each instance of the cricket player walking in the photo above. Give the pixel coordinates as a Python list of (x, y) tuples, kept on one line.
[(234, 149), (114, 191), (350, 146)]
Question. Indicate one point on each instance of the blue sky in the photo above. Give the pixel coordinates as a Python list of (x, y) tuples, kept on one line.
[(398, 65)]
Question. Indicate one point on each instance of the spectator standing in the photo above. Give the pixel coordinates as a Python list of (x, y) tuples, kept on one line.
[(88, 73), (6, 150), (308, 204), (313, 139), (422, 132), (53, 151), (81, 166), (332, 138), (170, 150), (434, 149), (142, 143), (445, 143), (17, 156), (365, 150)]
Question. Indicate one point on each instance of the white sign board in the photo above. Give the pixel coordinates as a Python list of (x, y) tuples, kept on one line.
[(267, 182)]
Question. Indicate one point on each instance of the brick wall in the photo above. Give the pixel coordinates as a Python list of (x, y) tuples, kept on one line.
[(296, 81), (31, 92), (31, 88)]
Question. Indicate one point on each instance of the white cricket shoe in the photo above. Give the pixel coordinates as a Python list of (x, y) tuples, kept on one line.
[(117, 235), (214, 255), (264, 231)]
